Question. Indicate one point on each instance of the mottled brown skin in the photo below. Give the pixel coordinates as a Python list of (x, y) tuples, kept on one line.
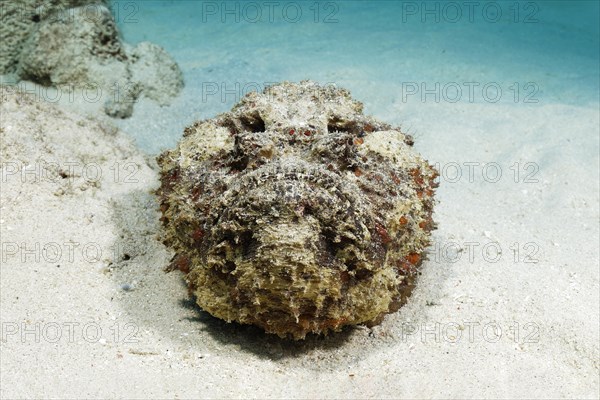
[(296, 213)]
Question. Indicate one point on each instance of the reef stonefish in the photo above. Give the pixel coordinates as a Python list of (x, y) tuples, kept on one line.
[(297, 213)]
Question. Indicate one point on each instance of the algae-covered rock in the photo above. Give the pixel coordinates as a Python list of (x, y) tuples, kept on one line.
[(157, 74), (75, 47), (20, 18), (297, 213), (76, 44)]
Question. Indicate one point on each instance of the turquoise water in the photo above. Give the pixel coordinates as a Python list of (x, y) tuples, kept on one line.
[(391, 54)]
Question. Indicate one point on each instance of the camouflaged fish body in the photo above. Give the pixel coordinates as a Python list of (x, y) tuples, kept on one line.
[(297, 213)]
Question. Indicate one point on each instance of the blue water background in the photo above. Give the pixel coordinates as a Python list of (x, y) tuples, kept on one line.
[(535, 52)]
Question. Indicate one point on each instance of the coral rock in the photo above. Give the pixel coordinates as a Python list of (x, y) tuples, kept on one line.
[(297, 213), (76, 44), (75, 47), (155, 71), (21, 17)]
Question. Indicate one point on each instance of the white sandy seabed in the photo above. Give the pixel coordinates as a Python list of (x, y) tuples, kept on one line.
[(507, 305)]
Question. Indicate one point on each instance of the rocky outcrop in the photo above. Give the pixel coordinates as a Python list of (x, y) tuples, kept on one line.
[(77, 43)]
